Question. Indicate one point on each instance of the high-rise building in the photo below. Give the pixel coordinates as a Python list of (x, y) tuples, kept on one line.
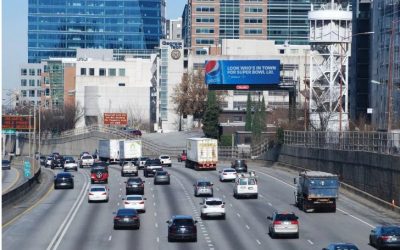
[(206, 23), (58, 28), (174, 29), (360, 59), (385, 71), (288, 21)]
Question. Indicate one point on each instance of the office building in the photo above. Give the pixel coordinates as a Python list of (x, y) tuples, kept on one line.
[(385, 71), (174, 29), (30, 89), (206, 23), (58, 28), (287, 21)]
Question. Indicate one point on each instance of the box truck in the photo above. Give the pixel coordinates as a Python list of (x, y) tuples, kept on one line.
[(109, 150), (202, 153), (130, 149)]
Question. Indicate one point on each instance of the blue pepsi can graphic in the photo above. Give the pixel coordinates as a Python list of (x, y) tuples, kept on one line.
[(213, 72)]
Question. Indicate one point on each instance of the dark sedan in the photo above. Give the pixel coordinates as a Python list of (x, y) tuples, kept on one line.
[(182, 227), (5, 165), (387, 237), (239, 165), (126, 217), (134, 186), (64, 180), (161, 177), (341, 246)]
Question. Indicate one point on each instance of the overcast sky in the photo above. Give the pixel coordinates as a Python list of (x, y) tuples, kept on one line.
[(15, 36)]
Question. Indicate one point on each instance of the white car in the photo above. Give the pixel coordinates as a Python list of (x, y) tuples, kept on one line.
[(136, 202), (70, 164), (245, 185), (283, 224), (227, 174), (86, 160), (129, 169), (98, 193), (165, 160), (212, 207)]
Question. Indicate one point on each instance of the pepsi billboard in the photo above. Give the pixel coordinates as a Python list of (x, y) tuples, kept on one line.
[(245, 74)]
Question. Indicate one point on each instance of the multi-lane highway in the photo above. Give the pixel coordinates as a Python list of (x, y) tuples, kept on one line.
[(65, 220)]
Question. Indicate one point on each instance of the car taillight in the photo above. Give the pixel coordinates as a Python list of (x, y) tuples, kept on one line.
[(126, 202), (135, 217), (205, 206), (224, 174), (104, 193), (117, 218), (142, 202), (384, 238), (277, 222), (294, 222), (90, 193), (222, 206), (142, 185)]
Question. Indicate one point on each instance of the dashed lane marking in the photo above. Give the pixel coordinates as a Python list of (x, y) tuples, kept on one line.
[(109, 238), (247, 226), (238, 215), (155, 214), (269, 204), (258, 242), (158, 239), (156, 225), (311, 243)]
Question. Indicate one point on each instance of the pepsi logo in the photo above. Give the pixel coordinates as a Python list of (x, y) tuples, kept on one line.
[(212, 67)]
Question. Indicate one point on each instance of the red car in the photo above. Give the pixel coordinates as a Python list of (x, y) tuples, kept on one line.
[(98, 175), (182, 157)]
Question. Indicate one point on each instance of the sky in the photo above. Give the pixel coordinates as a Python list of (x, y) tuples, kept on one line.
[(15, 37)]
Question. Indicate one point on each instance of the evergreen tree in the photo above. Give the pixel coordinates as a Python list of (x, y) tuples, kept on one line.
[(248, 126), (210, 118), (263, 116), (256, 126)]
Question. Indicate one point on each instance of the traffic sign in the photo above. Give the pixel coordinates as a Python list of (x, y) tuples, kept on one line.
[(27, 168), (8, 131)]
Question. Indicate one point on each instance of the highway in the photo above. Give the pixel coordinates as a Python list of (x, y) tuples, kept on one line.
[(11, 178), (65, 220)]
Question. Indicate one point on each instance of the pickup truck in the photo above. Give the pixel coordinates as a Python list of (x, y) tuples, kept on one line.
[(182, 157), (129, 169), (86, 160), (151, 167)]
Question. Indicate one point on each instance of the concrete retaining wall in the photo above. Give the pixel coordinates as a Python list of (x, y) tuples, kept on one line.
[(376, 174)]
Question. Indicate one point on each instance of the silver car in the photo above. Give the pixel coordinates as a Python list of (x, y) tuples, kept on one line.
[(283, 224), (161, 177), (203, 187)]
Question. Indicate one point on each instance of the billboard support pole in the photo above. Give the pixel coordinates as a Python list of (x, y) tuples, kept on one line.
[(292, 104)]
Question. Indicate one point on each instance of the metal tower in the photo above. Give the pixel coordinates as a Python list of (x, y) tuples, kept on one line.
[(330, 37)]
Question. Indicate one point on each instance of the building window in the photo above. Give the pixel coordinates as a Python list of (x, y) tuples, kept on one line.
[(23, 93), (237, 118), (102, 72), (24, 72), (31, 82), (83, 71), (253, 31), (91, 71), (204, 41), (39, 72), (47, 93), (205, 31), (112, 72), (253, 20), (205, 19), (23, 82), (121, 72), (253, 10), (31, 93), (38, 83), (39, 93), (31, 72), (204, 9), (121, 84)]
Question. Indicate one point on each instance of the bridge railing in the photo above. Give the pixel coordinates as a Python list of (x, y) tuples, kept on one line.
[(375, 142)]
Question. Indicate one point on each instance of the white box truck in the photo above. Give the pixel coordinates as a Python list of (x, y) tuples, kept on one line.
[(129, 149), (109, 150), (202, 153)]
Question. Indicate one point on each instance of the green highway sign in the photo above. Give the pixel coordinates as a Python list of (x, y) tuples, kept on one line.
[(8, 131), (27, 168)]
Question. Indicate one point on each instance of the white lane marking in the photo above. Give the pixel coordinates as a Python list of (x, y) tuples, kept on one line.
[(158, 239), (68, 220), (153, 195), (247, 226), (262, 196), (156, 225), (224, 196), (309, 241), (258, 242), (119, 196), (120, 189), (341, 210), (109, 238), (154, 204), (155, 214), (238, 214), (118, 204), (269, 203), (230, 204)]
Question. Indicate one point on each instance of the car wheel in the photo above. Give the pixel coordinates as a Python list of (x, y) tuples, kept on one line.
[(370, 241), (195, 239), (256, 196), (144, 211), (76, 169), (72, 187), (272, 234), (122, 174), (223, 216), (168, 182), (115, 227), (170, 239), (91, 182), (202, 216), (297, 236), (89, 201)]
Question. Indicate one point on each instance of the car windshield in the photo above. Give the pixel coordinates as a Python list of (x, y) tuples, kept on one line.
[(161, 173), (214, 203), (98, 170), (203, 184), (155, 162), (63, 175), (391, 231), (286, 217), (68, 158), (97, 189), (239, 163), (134, 198), (164, 157), (86, 157), (345, 247), (49, 158), (144, 159), (5, 162), (126, 212), (69, 161), (134, 181), (183, 222), (230, 171)]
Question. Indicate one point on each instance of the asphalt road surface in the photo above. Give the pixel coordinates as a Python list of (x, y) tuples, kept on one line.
[(11, 178), (65, 220)]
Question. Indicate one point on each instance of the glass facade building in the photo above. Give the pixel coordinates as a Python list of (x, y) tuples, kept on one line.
[(57, 27), (288, 21)]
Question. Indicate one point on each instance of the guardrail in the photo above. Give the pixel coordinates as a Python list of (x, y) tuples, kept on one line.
[(24, 188), (374, 142)]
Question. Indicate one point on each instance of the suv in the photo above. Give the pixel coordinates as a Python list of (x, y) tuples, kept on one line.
[(57, 162), (239, 165), (151, 167), (182, 227), (86, 160), (212, 207), (165, 160), (134, 186), (283, 224), (129, 169), (99, 175), (245, 185), (203, 187)]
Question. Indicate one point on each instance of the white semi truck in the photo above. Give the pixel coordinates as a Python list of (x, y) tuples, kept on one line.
[(202, 153)]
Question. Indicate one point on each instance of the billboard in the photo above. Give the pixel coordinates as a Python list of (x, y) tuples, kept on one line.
[(17, 122), (245, 74), (116, 119)]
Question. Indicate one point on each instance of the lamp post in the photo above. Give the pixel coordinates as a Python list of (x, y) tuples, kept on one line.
[(341, 76)]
